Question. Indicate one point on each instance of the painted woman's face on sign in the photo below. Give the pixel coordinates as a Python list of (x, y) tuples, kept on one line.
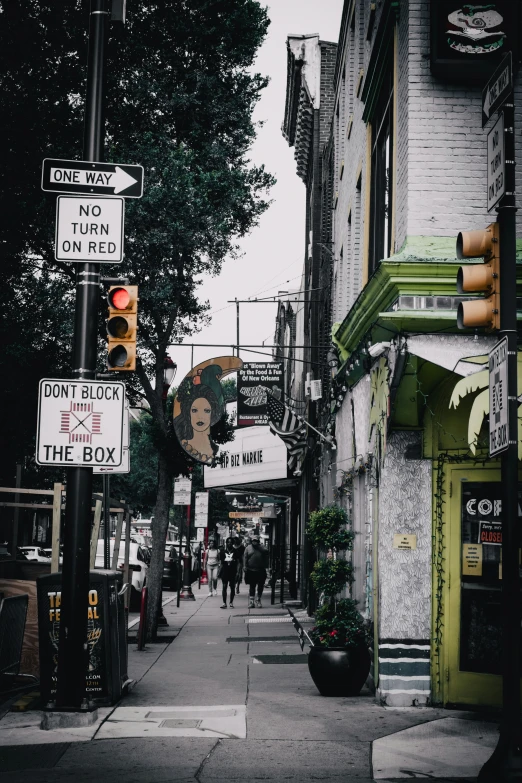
[(200, 414)]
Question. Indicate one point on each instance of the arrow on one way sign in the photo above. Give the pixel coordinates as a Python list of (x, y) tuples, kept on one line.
[(80, 176)]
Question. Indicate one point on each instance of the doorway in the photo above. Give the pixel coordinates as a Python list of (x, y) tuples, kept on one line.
[(472, 639)]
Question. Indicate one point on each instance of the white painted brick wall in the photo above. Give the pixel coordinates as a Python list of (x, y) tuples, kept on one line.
[(440, 183), (447, 153)]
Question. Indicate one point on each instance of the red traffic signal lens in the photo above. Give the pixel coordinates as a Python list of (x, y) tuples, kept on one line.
[(119, 298)]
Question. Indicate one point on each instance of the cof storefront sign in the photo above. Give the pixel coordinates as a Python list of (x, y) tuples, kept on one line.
[(254, 455)]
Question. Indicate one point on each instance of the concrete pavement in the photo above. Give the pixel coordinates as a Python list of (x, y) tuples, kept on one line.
[(231, 699)]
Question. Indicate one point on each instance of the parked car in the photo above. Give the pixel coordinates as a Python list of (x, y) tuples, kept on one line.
[(35, 554), (49, 554), (171, 567), (137, 563)]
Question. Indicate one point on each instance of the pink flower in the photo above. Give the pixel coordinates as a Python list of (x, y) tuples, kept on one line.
[(333, 633)]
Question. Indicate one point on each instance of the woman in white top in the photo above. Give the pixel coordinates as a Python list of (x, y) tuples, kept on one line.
[(212, 564)]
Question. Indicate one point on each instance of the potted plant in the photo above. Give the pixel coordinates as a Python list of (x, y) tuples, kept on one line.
[(339, 660)]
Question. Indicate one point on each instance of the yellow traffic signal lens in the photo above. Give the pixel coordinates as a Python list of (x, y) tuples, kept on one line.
[(118, 327)]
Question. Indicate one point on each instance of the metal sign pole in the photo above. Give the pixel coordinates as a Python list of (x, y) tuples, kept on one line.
[(506, 762), (106, 522), (73, 650)]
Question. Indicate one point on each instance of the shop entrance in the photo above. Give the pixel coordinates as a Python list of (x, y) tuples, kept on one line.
[(472, 638)]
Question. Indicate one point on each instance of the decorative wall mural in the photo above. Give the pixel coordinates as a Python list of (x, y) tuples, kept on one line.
[(199, 404)]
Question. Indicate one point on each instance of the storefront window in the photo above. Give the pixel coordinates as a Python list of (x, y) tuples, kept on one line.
[(481, 578)]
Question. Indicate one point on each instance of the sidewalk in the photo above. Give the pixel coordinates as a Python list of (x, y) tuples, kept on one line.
[(231, 699)]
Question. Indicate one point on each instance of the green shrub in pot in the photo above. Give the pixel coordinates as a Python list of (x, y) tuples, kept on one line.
[(339, 624), (326, 528)]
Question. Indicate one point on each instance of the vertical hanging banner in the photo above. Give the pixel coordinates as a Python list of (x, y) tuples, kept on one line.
[(255, 381), (200, 405)]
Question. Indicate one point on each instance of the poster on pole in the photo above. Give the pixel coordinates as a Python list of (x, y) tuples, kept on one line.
[(182, 491), (201, 516), (255, 381)]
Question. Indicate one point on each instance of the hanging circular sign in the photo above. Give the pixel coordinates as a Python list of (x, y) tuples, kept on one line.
[(199, 404)]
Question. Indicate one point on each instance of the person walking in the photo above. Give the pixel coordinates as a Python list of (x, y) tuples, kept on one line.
[(240, 549), (212, 565), (256, 563), (229, 557)]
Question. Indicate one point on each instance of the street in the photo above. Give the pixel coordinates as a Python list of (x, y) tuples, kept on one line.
[(231, 699)]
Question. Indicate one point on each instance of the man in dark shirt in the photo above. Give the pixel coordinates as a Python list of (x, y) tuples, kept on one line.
[(256, 563), (229, 559)]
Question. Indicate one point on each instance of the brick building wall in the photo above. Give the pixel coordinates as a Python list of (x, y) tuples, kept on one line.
[(447, 145)]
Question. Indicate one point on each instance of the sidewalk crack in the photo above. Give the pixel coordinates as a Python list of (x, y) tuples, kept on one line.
[(204, 762)]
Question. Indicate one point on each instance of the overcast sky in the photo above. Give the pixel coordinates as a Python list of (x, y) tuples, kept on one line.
[(273, 253)]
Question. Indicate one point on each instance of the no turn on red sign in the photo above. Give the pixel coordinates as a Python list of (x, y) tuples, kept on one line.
[(80, 423), (89, 229)]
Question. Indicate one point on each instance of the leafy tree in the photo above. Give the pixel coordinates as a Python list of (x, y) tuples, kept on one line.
[(180, 96)]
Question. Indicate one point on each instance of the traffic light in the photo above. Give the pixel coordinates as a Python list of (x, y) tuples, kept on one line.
[(122, 327), (477, 278)]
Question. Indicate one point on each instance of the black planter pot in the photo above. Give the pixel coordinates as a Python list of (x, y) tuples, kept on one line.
[(338, 671)]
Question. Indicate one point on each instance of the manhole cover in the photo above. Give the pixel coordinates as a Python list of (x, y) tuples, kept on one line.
[(177, 723), (271, 659)]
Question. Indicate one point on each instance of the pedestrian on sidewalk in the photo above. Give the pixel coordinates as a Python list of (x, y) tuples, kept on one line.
[(229, 558), (240, 549), (256, 563), (212, 565)]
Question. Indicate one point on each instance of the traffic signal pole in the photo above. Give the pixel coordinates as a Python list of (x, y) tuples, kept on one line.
[(506, 762), (72, 650)]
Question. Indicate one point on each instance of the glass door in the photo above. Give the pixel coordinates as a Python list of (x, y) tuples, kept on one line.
[(472, 637)]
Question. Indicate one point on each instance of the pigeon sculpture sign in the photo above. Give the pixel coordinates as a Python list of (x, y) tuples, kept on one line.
[(200, 405)]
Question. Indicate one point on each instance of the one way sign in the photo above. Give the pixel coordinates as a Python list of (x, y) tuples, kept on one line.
[(81, 176)]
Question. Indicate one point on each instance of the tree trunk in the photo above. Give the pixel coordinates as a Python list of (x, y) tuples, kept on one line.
[(160, 525)]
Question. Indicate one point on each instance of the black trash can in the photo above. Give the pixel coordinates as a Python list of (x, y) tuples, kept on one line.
[(106, 636)]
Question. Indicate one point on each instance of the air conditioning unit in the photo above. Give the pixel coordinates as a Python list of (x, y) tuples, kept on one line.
[(316, 390)]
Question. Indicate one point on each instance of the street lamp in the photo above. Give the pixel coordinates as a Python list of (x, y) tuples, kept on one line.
[(169, 372)]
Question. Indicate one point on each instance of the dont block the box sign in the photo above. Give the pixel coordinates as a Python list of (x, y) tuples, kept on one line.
[(80, 423), (89, 229)]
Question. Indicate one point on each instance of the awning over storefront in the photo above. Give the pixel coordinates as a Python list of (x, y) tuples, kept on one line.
[(461, 354)]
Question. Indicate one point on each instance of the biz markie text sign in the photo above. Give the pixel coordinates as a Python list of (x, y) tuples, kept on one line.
[(80, 423)]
